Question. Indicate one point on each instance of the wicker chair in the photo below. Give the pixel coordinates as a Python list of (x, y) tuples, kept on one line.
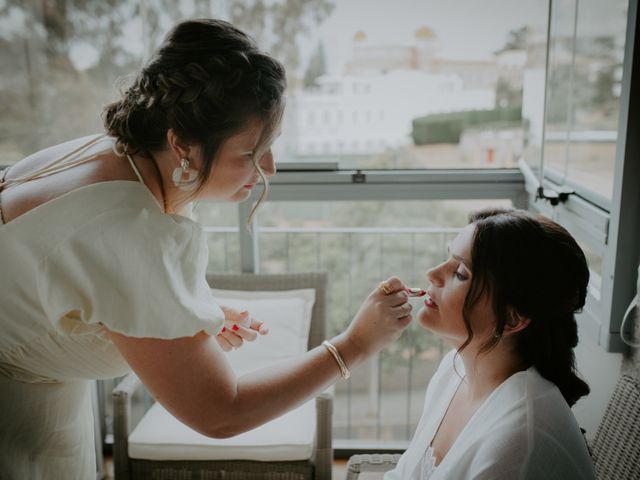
[(375, 462), (615, 449), (616, 446), (317, 467)]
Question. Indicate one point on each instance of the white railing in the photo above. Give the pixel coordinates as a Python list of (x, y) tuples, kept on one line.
[(382, 401)]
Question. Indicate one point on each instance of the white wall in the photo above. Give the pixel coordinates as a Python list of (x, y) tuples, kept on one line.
[(601, 371)]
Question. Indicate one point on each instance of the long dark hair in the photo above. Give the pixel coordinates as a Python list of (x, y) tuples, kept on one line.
[(206, 82), (531, 266)]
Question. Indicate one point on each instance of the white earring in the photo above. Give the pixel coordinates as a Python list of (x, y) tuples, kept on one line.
[(184, 177)]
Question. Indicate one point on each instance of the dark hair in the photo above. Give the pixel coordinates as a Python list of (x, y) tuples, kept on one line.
[(206, 82), (531, 266)]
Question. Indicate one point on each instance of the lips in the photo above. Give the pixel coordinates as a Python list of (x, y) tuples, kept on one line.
[(429, 302)]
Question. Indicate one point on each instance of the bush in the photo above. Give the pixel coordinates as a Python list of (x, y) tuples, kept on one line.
[(447, 127)]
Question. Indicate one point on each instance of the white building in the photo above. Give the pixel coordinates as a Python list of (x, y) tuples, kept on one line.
[(368, 114), (370, 108)]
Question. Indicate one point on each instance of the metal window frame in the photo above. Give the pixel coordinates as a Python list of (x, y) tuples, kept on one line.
[(622, 257), (610, 227), (364, 185)]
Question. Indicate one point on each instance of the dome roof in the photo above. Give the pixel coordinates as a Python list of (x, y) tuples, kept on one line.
[(360, 36), (425, 33)]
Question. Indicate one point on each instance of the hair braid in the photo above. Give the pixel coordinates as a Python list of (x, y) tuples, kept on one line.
[(207, 81)]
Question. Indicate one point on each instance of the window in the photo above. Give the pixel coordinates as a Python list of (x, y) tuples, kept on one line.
[(220, 222), (585, 60), (358, 243), (580, 140), (438, 125), (408, 78)]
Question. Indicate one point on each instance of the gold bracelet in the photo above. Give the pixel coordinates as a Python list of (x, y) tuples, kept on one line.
[(344, 371)]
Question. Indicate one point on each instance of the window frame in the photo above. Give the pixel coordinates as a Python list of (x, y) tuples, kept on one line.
[(388, 185), (611, 227)]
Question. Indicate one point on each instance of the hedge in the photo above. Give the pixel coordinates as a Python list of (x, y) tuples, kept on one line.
[(447, 127)]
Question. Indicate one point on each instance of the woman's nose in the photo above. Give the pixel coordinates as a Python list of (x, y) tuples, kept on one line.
[(268, 164), (434, 275)]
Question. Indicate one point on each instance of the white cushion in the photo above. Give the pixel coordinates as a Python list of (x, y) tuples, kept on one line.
[(159, 436), (286, 313)]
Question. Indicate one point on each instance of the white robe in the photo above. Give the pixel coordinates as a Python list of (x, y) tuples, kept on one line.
[(523, 430)]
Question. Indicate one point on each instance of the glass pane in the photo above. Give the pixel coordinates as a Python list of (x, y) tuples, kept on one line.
[(411, 84), (59, 67), (585, 71), (63, 61), (559, 89), (400, 87), (358, 244), (220, 221), (600, 43), (594, 261)]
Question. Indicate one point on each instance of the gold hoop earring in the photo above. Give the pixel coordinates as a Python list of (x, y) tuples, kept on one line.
[(184, 177)]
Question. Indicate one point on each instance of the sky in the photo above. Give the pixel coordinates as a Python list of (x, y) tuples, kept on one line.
[(466, 29)]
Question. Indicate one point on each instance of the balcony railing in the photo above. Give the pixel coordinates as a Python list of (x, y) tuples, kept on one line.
[(382, 401)]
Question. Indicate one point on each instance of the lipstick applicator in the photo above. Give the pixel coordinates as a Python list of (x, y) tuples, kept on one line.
[(416, 292)]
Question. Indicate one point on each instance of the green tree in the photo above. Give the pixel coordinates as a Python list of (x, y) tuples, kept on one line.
[(316, 68), (278, 26), (45, 98), (516, 39)]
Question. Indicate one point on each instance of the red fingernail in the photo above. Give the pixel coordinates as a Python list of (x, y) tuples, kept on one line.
[(224, 329), (235, 328)]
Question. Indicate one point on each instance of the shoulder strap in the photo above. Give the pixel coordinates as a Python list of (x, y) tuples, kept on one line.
[(135, 169), (57, 165)]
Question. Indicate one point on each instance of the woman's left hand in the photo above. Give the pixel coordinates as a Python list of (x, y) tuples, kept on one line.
[(238, 327)]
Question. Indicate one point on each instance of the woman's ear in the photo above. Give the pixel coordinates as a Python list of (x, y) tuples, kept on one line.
[(516, 322), (181, 149)]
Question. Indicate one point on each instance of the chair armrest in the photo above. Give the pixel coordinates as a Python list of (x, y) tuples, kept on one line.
[(122, 395), (324, 444), (376, 462)]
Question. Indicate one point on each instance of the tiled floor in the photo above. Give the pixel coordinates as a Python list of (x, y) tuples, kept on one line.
[(339, 469)]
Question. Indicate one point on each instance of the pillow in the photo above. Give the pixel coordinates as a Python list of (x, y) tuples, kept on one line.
[(287, 314)]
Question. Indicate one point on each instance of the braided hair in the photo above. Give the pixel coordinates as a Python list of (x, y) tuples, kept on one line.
[(532, 267), (206, 82)]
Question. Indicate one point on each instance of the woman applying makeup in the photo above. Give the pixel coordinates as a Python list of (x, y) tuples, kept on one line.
[(104, 272)]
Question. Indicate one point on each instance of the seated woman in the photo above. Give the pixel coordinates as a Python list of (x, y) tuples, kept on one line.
[(498, 406)]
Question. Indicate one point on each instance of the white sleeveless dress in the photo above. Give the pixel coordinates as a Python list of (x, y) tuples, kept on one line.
[(104, 255)]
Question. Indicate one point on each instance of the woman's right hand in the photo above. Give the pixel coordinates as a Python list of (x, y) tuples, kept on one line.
[(381, 319), (193, 380)]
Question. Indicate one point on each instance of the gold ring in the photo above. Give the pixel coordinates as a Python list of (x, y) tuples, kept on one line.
[(385, 288)]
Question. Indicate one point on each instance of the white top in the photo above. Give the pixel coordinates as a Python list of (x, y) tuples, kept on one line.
[(102, 255), (427, 465), (523, 430)]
